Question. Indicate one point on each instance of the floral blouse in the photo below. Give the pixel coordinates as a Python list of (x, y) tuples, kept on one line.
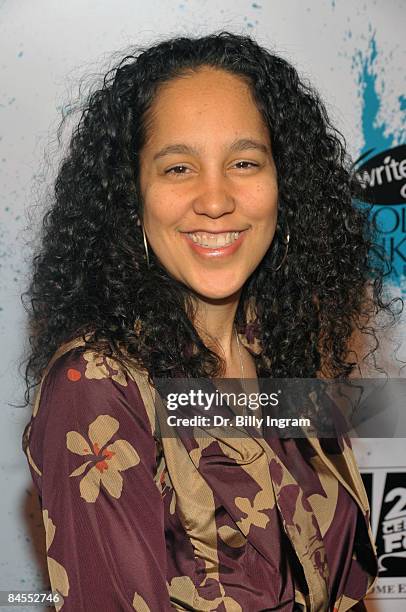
[(138, 522)]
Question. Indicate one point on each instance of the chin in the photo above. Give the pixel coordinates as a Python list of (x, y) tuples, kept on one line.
[(219, 289), (214, 295)]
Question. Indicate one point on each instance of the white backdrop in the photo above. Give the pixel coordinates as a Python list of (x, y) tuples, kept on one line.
[(353, 51)]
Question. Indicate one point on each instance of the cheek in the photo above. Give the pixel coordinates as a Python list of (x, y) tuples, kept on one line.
[(162, 207), (261, 203)]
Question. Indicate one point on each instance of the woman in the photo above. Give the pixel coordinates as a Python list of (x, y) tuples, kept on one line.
[(202, 226)]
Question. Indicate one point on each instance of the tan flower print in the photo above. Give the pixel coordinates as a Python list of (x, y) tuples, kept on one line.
[(231, 536), (203, 442), (166, 488), (229, 602), (99, 366), (57, 573), (183, 588), (108, 461), (139, 604), (254, 513)]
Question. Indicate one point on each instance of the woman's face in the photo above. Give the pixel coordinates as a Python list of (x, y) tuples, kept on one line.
[(208, 182)]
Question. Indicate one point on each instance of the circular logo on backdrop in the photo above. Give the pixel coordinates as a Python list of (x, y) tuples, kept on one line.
[(383, 176)]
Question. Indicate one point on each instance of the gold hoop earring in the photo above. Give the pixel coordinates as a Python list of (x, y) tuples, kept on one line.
[(146, 247), (286, 242)]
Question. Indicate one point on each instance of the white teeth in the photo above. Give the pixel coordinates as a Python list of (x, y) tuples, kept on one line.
[(214, 240)]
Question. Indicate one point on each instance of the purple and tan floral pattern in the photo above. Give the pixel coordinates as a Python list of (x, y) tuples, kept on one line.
[(57, 573), (99, 367), (157, 524), (106, 461)]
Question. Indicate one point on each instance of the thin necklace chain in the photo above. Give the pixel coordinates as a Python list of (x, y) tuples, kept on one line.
[(241, 366), (239, 352)]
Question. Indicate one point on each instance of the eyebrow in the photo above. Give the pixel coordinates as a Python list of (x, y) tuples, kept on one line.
[(242, 144)]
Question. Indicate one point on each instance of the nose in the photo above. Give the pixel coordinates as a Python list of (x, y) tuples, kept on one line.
[(214, 197)]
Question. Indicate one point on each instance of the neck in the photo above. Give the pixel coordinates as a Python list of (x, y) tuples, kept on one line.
[(214, 321)]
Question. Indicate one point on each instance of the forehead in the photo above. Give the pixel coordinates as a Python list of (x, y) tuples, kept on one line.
[(208, 101)]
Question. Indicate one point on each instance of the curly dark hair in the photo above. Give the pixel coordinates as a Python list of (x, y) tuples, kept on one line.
[(90, 274)]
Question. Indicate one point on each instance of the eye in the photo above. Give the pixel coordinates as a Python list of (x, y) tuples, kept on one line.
[(252, 164), (176, 170)]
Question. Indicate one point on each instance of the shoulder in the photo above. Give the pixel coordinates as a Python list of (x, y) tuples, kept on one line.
[(87, 379), (86, 395)]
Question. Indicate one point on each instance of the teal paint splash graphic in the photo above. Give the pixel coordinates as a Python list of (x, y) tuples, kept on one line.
[(374, 134), (378, 137)]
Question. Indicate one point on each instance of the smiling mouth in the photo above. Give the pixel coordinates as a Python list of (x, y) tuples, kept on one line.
[(214, 240)]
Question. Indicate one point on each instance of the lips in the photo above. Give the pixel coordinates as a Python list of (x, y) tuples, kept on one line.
[(220, 239), (208, 231), (214, 244)]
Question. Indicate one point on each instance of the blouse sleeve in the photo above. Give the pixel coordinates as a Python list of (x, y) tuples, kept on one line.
[(92, 457)]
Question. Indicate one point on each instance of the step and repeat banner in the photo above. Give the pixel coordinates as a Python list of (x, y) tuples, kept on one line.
[(353, 52)]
